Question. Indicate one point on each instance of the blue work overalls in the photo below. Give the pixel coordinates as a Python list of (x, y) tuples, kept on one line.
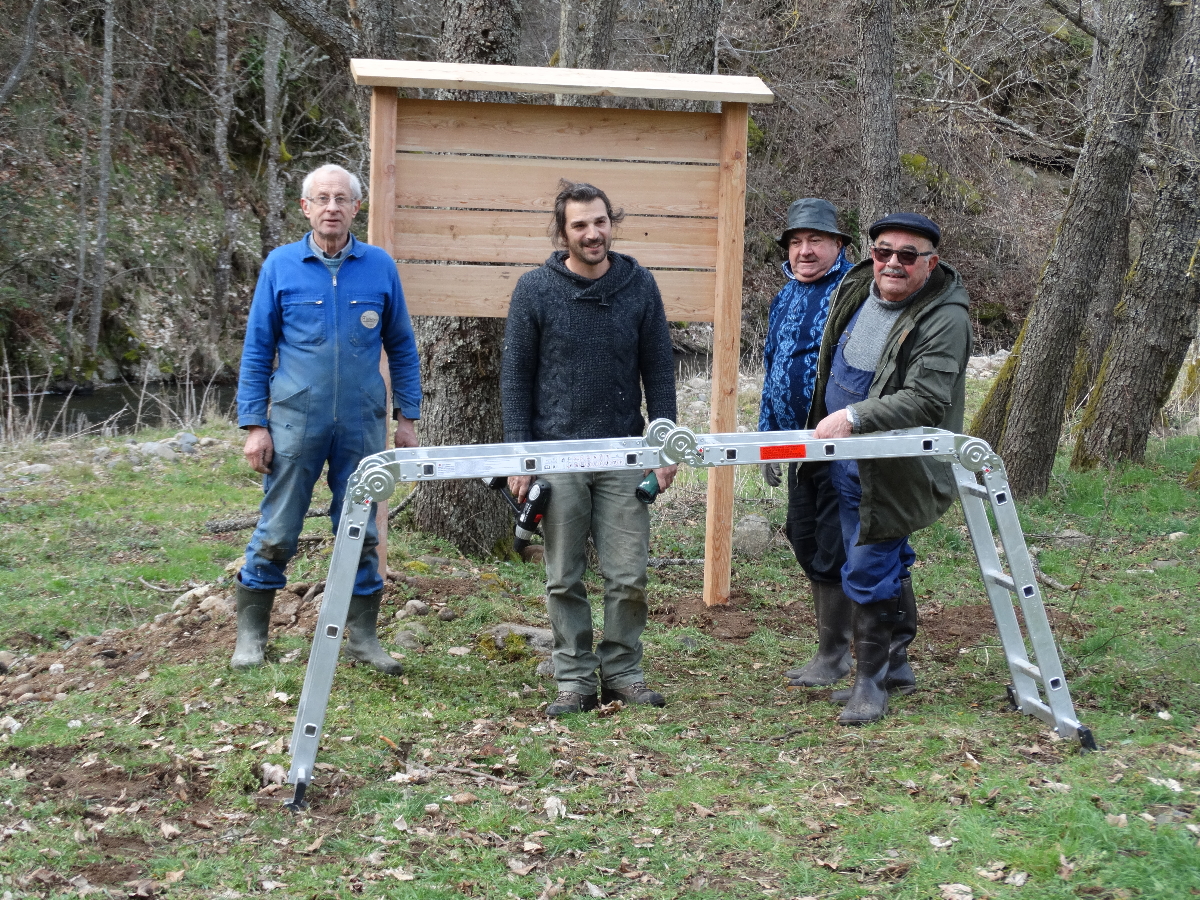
[(872, 572)]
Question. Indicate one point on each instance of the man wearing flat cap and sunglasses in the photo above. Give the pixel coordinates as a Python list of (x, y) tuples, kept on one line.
[(815, 265), (893, 355)]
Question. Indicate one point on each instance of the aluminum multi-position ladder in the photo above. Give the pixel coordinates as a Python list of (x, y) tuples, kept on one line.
[(1038, 686)]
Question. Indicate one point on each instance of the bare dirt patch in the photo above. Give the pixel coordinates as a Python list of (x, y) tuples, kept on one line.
[(732, 622)]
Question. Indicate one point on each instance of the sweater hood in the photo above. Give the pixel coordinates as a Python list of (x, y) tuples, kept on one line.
[(622, 270)]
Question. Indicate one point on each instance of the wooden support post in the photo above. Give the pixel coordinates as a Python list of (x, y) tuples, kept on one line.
[(727, 335), (381, 216)]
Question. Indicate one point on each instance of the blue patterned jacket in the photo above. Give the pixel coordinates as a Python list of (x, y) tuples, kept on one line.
[(795, 324)]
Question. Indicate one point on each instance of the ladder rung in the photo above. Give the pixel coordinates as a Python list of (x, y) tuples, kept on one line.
[(1025, 667), (1003, 580), (974, 488)]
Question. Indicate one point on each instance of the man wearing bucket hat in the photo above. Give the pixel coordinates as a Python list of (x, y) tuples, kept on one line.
[(894, 355), (815, 265)]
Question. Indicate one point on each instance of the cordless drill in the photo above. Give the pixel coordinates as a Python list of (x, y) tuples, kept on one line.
[(529, 514)]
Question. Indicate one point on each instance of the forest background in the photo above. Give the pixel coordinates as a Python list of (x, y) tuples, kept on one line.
[(991, 102), (152, 156)]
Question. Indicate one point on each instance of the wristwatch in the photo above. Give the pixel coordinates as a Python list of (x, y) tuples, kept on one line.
[(852, 418)]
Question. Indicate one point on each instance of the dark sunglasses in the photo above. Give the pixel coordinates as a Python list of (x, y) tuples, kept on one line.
[(883, 255)]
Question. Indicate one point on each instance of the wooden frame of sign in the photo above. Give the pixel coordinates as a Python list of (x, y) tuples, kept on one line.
[(474, 183)]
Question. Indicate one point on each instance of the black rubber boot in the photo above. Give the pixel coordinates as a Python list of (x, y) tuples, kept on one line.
[(832, 661), (900, 677), (900, 674), (362, 640), (253, 620), (873, 624)]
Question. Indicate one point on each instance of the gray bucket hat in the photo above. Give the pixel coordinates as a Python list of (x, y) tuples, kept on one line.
[(812, 213)]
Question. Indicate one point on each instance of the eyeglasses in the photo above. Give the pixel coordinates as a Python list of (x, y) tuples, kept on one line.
[(883, 255), (325, 200)]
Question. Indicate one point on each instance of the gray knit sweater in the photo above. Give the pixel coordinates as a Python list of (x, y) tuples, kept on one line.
[(578, 351), (865, 344)]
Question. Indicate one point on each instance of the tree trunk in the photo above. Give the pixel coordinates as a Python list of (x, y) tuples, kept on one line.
[(27, 47), (223, 95), (1097, 329), (585, 41), (80, 252), (694, 25), (312, 20), (1031, 427), (271, 227), (1098, 325), (879, 193), (460, 356), (1157, 316), (104, 165)]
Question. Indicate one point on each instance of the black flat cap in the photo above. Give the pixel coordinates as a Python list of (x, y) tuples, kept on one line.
[(905, 221)]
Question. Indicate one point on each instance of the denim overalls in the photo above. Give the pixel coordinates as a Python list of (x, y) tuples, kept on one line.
[(872, 571)]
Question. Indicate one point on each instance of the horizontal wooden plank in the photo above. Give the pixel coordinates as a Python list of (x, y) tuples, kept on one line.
[(482, 182), (433, 290), (521, 129), (521, 237), (546, 80)]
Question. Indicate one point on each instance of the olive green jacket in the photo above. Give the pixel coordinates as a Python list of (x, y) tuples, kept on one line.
[(920, 381)]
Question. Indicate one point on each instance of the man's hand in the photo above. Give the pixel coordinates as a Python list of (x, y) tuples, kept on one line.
[(259, 449), (406, 433), (665, 476), (771, 473), (834, 425), (518, 486)]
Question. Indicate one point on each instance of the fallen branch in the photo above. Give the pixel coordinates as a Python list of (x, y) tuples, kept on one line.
[(392, 513), (155, 587), (474, 774), (220, 526), (659, 562)]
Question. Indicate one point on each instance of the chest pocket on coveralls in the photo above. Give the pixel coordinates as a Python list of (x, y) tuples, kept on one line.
[(304, 319), (366, 318)]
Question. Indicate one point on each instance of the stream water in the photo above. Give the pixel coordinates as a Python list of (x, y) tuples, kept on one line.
[(119, 409)]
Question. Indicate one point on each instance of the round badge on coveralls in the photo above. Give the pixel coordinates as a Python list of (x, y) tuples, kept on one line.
[(369, 319)]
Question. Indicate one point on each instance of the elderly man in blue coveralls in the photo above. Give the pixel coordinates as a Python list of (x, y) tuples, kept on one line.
[(894, 355), (324, 307), (815, 265)]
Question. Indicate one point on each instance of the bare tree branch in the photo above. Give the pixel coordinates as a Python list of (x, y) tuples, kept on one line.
[(1075, 17), (333, 35), (970, 106), (14, 77)]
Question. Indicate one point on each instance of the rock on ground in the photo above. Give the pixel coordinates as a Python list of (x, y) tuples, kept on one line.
[(752, 536), (539, 640)]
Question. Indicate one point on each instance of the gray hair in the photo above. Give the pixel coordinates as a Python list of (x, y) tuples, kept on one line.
[(331, 169)]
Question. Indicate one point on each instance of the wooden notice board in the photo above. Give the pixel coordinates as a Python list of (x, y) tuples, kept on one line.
[(472, 188)]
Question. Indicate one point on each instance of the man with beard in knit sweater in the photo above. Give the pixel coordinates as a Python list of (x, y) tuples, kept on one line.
[(586, 334)]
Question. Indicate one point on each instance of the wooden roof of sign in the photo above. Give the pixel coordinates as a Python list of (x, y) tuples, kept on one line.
[(544, 80)]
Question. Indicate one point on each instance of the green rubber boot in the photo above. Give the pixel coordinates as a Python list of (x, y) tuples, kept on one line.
[(253, 619), (362, 641), (868, 700), (832, 661)]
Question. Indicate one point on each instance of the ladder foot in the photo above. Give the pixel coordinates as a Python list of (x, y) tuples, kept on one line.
[(297, 804), (1087, 743), (1013, 703)]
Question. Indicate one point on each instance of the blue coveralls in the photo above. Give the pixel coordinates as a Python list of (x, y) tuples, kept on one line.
[(327, 397), (872, 572)]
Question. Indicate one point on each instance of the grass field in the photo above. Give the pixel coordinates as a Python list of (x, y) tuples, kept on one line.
[(132, 756)]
